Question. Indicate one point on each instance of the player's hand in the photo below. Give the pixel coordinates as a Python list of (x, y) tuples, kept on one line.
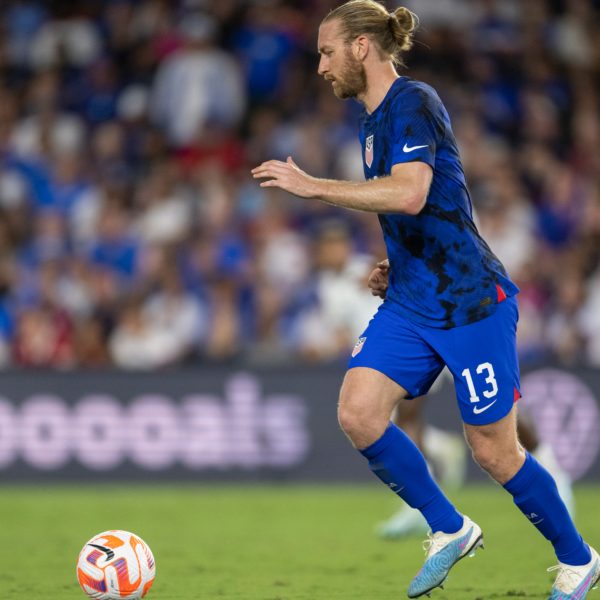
[(287, 176), (378, 279)]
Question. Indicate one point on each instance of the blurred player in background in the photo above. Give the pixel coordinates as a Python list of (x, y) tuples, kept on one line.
[(445, 451), (449, 300)]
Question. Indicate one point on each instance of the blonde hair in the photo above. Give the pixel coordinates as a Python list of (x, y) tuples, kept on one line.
[(391, 32)]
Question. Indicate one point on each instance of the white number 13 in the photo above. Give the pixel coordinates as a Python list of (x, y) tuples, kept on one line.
[(490, 379)]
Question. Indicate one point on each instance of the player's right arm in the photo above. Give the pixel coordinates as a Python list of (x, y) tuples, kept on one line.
[(403, 191)]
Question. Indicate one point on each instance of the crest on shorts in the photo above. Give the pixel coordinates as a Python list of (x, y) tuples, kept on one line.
[(358, 346), (369, 151)]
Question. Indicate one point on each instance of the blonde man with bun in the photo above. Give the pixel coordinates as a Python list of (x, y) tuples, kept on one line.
[(449, 301)]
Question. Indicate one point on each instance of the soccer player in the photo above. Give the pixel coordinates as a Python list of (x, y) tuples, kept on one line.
[(449, 300)]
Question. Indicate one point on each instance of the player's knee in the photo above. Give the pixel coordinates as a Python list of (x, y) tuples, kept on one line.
[(487, 458), (359, 423), (498, 463), (351, 419)]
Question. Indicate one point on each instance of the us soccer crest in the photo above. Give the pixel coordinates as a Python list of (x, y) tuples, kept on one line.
[(369, 151), (359, 346)]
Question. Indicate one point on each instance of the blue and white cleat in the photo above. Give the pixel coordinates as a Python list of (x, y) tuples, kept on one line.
[(573, 583), (443, 551)]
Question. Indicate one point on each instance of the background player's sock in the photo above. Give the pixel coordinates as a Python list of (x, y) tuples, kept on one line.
[(536, 494), (397, 461), (545, 456), (446, 452)]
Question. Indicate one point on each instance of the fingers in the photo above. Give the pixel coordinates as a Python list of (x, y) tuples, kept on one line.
[(378, 286), (270, 183), (273, 168), (379, 293), (377, 283), (268, 169), (378, 280)]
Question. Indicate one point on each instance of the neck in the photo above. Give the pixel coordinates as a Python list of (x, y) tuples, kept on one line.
[(379, 82)]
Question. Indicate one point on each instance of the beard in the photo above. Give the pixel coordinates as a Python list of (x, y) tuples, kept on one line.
[(352, 81)]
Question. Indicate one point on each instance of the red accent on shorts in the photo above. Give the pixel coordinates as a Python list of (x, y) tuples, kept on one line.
[(501, 294), (517, 395)]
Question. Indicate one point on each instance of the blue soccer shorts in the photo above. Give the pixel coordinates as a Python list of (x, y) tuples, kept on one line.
[(481, 356)]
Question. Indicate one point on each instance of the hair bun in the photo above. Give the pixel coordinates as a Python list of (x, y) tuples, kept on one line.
[(403, 23)]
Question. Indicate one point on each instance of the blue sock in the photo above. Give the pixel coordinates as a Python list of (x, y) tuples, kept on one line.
[(536, 495), (396, 460)]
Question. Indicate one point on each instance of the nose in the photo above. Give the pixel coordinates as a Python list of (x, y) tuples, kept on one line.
[(323, 65)]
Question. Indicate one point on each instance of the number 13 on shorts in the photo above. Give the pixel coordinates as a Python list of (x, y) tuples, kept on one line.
[(483, 360), (484, 371)]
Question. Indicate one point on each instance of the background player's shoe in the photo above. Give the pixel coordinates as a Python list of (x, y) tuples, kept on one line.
[(406, 522), (443, 551), (573, 583)]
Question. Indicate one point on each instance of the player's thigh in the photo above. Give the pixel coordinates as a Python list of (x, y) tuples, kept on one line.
[(482, 358), (369, 393), (367, 399), (393, 347)]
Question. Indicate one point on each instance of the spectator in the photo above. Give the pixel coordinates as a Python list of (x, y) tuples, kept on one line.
[(340, 305), (43, 339), (71, 38), (115, 248), (178, 311), (91, 343), (139, 343), (198, 85)]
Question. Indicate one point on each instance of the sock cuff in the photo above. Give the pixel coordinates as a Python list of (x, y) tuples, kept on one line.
[(381, 444), (524, 476)]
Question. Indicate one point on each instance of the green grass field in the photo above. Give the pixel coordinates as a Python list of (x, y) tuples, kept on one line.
[(267, 543)]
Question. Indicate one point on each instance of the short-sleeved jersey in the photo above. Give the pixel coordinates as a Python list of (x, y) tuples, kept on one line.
[(442, 273)]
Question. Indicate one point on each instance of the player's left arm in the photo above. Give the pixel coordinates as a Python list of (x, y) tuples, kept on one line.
[(403, 191)]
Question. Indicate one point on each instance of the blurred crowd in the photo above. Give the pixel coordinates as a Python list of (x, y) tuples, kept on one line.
[(132, 234)]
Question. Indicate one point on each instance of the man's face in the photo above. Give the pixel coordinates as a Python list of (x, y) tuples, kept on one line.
[(338, 64)]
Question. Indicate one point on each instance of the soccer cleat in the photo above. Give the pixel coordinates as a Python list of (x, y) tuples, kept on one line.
[(443, 551), (406, 522), (573, 583)]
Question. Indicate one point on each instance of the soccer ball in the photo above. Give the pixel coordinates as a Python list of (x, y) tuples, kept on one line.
[(116, 565)]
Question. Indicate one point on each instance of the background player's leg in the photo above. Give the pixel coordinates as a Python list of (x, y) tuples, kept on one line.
[(497, 450), (544, 454), (367, 399), (408, 415)]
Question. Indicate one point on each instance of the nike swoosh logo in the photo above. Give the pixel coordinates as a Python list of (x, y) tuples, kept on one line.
[(109, 553), (478, 411), (411, 148)]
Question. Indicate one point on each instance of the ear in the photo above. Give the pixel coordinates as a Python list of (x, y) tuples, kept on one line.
[(360, 47)]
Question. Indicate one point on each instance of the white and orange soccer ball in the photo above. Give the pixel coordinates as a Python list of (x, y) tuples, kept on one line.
[(116, 565)]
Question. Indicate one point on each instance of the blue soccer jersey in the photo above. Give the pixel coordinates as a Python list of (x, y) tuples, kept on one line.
[(442, 273)]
